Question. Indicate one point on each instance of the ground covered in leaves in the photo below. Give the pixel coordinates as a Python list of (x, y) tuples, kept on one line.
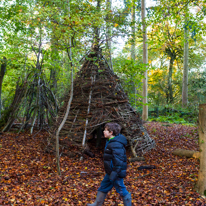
[(28, 175)]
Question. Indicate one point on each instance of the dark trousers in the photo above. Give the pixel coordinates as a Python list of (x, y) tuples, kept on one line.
[(107, 185)]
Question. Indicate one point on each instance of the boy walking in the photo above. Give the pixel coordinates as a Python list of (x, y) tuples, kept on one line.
[(115, 164)]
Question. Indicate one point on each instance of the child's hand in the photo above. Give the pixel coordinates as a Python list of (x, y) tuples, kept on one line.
[(113, 176)]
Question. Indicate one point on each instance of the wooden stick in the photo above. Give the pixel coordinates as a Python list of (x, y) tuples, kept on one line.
[(88, 110)]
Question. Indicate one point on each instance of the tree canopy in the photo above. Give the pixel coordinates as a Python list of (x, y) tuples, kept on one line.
[(35, 38)]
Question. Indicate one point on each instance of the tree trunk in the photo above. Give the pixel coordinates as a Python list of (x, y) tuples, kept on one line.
[(3, 70), (109, 34), (133, 41), (170, 92), (145, 61), (133, 32), (96, 29), (201, 183), (185, 70)]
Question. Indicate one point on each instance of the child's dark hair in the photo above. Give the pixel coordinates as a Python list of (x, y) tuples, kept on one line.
[(113, 127)]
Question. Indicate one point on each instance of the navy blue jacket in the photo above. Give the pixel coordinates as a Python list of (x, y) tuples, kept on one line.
[(115, 159)]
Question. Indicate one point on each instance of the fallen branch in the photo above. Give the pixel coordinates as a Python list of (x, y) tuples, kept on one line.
[(143, 175), (136, 159), (186, 153)]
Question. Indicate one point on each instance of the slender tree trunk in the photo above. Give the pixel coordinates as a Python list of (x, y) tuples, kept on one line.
[(133, 41), (201, 183), (63, 122), (97, 30), (133, 32), (185, 70), (3, 70), (170, 91), (145, 61), (109, 34)]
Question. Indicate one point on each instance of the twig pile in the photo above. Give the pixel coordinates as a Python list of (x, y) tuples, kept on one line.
[(33, 105), (99, 98)]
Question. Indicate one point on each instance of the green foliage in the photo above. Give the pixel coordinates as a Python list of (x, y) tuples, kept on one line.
[(168, 114), (168, 23), (35, 38), (131, 74), (197, 88), (170, 119)]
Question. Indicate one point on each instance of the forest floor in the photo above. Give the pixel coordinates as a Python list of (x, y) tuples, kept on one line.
[(28, 175)]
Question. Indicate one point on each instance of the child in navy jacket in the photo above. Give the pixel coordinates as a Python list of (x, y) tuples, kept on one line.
[(115, 164)]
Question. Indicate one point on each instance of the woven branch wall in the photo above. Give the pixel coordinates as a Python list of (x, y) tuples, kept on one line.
[(99, 98)]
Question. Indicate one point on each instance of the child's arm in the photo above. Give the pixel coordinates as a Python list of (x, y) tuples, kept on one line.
[(118, 157)]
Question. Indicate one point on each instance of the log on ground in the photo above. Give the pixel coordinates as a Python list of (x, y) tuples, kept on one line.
[(186, 153)]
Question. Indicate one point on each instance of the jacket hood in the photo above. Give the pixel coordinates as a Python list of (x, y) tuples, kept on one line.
[(120, 138)]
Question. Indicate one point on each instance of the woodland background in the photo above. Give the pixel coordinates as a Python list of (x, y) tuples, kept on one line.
[(42, 41), (42, 46)]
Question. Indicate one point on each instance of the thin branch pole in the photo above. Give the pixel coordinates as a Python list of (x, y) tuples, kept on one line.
[(88, 110), (68, 107), (74, 120), (61, 126), (33, 120)]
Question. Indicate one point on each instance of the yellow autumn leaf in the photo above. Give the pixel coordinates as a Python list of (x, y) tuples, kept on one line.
[(12, 200)]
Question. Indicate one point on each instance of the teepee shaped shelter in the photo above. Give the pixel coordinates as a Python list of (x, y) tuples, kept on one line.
[(99, 98)]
